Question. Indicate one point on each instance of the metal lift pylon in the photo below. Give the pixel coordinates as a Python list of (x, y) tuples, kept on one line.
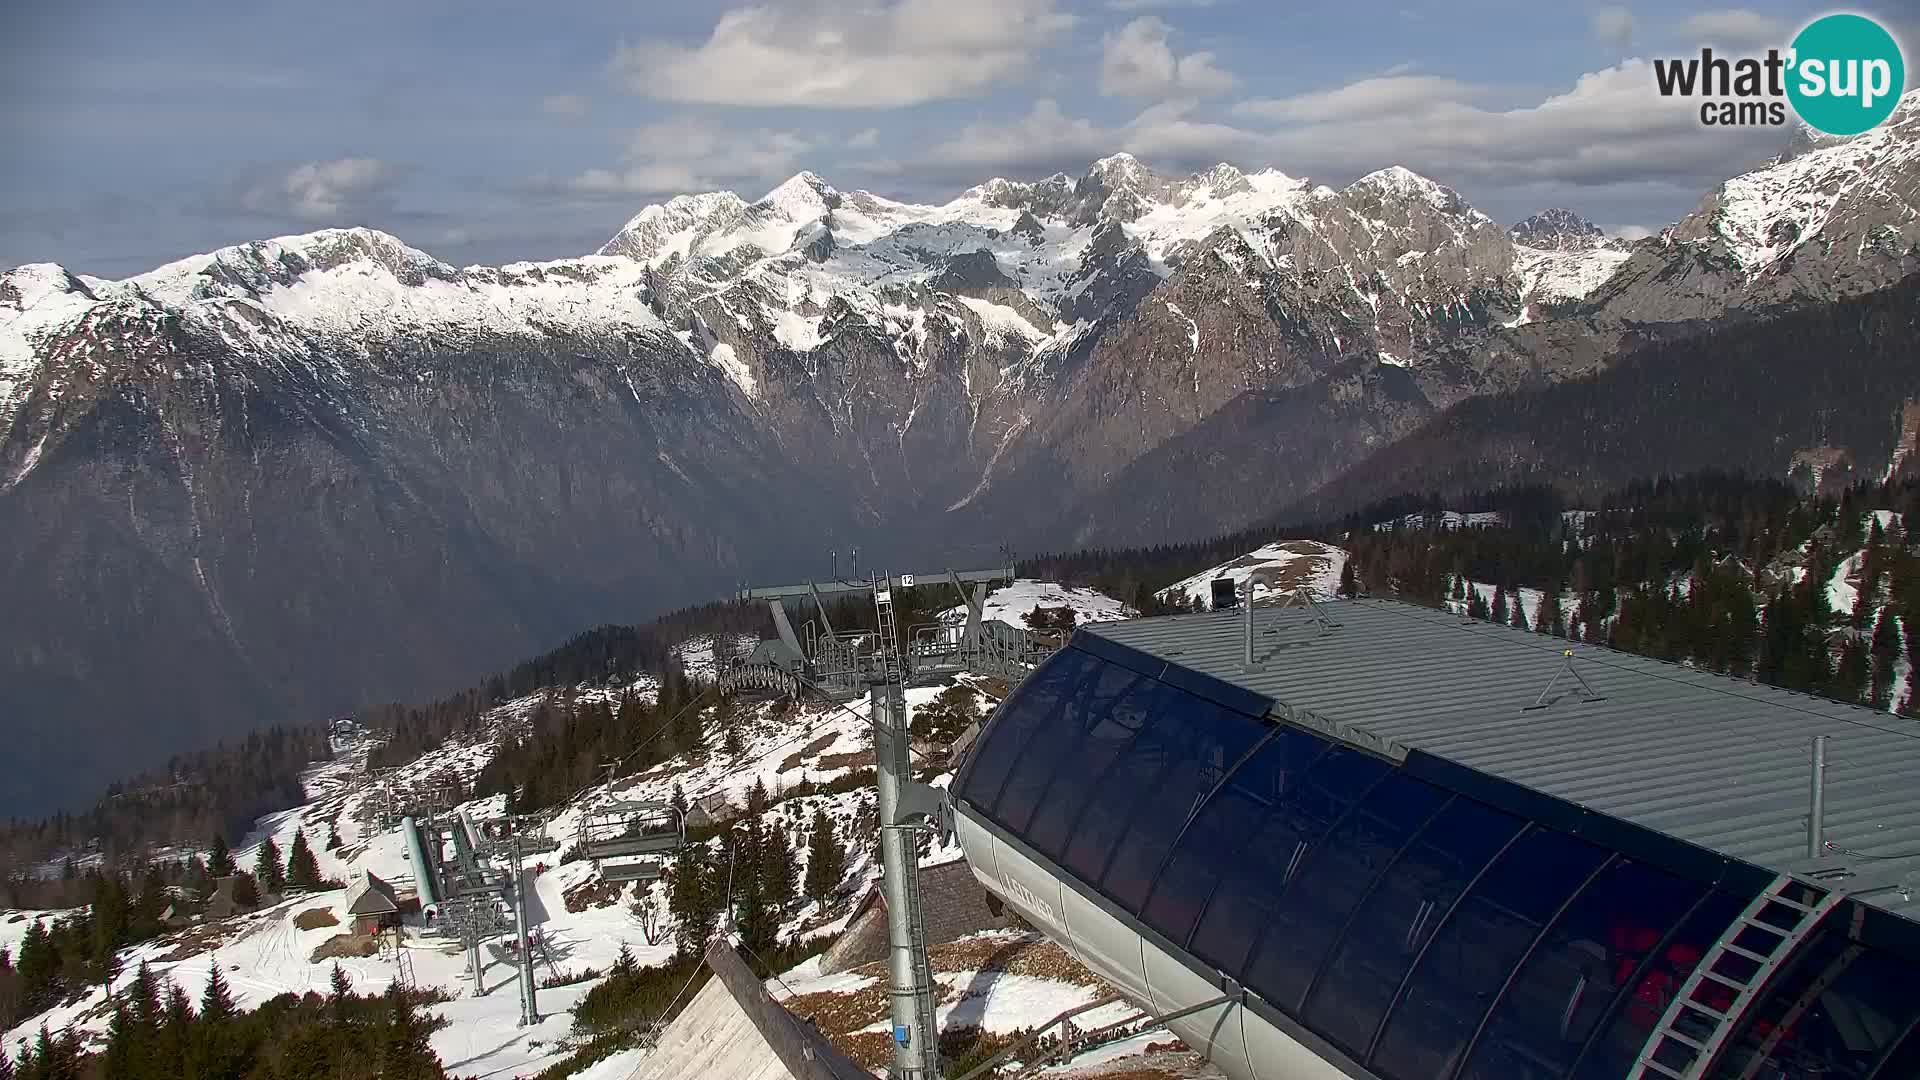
[(837, 662)]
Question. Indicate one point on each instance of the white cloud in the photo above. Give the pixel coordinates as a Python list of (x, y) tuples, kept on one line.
[(684, 154), (1150, 5), (568, 105), (1043, 136), (1358, 99), (1137, 61), (1613, 24), (1629, 233), (826, 54), (320, 190), (1737, 28), (865, 140), (1609, 141)]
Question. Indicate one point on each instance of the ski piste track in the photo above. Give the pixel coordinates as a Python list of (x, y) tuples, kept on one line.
[(1387, 842)]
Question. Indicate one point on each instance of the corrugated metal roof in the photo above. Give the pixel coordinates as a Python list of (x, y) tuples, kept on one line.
[(1718, 762)]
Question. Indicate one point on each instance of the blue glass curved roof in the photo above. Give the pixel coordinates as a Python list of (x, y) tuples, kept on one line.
[(1426, 920)]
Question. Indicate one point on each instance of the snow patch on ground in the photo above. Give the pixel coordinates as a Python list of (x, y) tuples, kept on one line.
[(1003, 323), (1011, 603), (730, 365)]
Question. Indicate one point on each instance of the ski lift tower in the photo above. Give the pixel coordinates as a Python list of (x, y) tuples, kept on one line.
[(841, 665)]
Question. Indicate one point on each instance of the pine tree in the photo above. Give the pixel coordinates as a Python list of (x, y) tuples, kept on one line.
[(340, 996), (175, 1044), (6, 1065), (219, 859), (122, 1054), (1851, 676), (216, 1001), (679, 800), (1499, 612), (780, 872), (303, 870), (406, 1050), (39, 965), (268, 872), (1885, 651), (1476, 605), (216, 1045), (826, 860), (333, 838), (111, 917), (1349, 586), (145, 996), (246, 892), (1519, 612), (753, 915), (693, 900), (731, 741), (1459, 587)]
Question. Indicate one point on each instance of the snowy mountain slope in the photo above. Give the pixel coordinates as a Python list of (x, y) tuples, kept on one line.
[(1838, 218), (1286, 565), (1012, 603), (265, 953)]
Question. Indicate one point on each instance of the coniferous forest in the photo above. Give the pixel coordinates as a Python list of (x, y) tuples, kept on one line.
[(160, 1031)]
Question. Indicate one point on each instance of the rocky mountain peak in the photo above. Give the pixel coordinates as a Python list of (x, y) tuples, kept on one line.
[(25, 286), (247, 269), (804, 196), (659, 229), (1560, 229), (1220, 181), (1398, 181)]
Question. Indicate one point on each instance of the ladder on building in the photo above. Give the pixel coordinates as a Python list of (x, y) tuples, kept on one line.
[(403, 961), (1731, 975), (887, 648)]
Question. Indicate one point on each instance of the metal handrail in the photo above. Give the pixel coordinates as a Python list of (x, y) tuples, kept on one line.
[(1038, 1033)]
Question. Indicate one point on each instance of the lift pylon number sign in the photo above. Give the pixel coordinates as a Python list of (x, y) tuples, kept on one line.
[(906, 581)]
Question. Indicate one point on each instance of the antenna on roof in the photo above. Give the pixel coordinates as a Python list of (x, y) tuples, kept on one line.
[(1303, 597), (1566, 668)]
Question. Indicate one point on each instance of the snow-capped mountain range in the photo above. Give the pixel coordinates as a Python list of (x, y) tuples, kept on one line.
[(336, 434)]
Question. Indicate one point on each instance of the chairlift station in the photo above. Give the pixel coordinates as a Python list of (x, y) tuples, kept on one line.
[(1365, 839)]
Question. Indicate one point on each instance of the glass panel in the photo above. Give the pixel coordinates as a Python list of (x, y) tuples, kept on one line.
[(1300, 814), (1646, 1001), (1135, 772), (1101, 741), (1576, 970), (1034, 703), (1055, 746), (1333, 880), (1831, 1015), (1474, 952), (1399, 918), (1223, 827), (1204, 741)]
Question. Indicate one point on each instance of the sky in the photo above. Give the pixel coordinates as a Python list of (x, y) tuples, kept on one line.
[(489, 131)]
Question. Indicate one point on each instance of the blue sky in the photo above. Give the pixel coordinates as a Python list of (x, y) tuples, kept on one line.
[(489, 131)]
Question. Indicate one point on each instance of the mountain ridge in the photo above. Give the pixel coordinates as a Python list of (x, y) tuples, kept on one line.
[(257, 477)]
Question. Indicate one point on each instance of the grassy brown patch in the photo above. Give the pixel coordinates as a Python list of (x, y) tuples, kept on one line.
[(314, 919), (792, 761)]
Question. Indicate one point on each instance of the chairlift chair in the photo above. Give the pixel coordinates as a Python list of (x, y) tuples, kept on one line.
[(622, 831)]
